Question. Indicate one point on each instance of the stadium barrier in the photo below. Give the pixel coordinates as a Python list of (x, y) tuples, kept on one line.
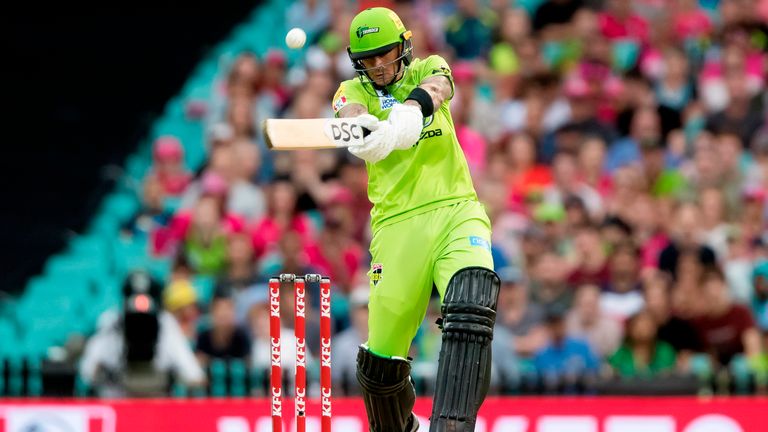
[(506, 414)]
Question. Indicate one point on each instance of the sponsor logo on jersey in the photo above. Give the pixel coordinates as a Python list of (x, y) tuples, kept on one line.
[(428, 121), (376, 270), (479, 242), (362, 31), (387, 101), (430, 134), (340, 102)]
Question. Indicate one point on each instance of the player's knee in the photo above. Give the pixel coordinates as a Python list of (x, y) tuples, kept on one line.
[(391, 333), (470, 301)]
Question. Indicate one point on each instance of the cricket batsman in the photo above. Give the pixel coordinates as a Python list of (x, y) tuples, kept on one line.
[(428, 229)]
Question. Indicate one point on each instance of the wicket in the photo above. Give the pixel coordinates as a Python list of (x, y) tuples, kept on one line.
[(300, 382)]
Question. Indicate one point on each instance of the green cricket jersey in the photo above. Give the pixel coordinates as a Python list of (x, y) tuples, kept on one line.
[(431, 174)]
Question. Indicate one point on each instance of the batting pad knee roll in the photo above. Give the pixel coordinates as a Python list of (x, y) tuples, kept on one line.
[(464, 371), (387, 390)]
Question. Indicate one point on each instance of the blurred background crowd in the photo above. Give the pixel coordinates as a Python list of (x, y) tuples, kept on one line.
[(620, 148)]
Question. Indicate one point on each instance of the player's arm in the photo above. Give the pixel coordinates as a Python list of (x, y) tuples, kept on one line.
[(439, 89), (352, 110)]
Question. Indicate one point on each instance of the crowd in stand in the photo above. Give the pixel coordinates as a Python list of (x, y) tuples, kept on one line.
[(620, 148)]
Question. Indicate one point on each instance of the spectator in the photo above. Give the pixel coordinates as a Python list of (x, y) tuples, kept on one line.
[(661, 182), (686, 237), (541, 108), (591, 161), (576, 214), (514, 28), (737, 114), (622, 297), (205, 239), (590, 263), (642, 354), (678, 333), (619, 22), (615, 231), (275, 64), (566, 364), (689, 21), (236, 166), (336, 253), (555, 13), (645, 131), (473, 110), (674, 88), (281, 217), (648, 231), (587, 321), (241, 265), (726, 329), (468, 31), (154, 213), (168, 168), (245, 199), (567, 183), (522, 318), (224, 340), (524, 175), (180, 299), (549, 285), (713, 221)]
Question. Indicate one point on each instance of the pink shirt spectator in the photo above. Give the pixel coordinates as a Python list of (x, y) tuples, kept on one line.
[(691, 24), (651, 249), (613, 27), (165, 239), (474, 147), (267, 232), (350, 258), (168, 168), (174, 184)]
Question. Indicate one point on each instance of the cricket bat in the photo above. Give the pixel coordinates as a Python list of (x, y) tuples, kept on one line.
[(322, 133)]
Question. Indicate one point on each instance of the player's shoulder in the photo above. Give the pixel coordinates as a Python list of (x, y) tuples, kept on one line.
[(349, 91), (347, 87), (431, 65)]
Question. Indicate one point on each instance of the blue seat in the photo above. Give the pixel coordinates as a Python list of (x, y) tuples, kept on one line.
[(121, 205)]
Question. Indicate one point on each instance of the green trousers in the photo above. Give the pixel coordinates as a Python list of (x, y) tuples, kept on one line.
[(409, 257)]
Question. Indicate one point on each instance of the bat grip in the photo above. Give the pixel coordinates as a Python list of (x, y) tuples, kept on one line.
[(366, 132)]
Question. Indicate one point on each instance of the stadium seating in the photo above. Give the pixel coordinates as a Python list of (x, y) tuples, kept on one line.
[(84, 280)]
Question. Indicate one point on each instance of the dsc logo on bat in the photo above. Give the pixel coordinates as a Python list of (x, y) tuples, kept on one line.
[(344, 132)]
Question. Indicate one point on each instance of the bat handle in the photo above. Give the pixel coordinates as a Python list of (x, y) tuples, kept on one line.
[(366, 132)]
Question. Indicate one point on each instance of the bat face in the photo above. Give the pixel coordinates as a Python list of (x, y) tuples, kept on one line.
[(294, 134)]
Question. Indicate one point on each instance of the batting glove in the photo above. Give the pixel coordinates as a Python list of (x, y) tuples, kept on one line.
[(407, 121), (378, 144)]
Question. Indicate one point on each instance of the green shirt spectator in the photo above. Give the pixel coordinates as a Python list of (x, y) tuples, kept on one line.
[(642, 354), (662, 359), (469, 31)]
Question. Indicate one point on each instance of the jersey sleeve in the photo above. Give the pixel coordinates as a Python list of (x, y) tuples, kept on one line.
[(434, 65), (349, 92)]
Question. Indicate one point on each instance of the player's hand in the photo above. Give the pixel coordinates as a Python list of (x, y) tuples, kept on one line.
[(408, 122), (378, 144)]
